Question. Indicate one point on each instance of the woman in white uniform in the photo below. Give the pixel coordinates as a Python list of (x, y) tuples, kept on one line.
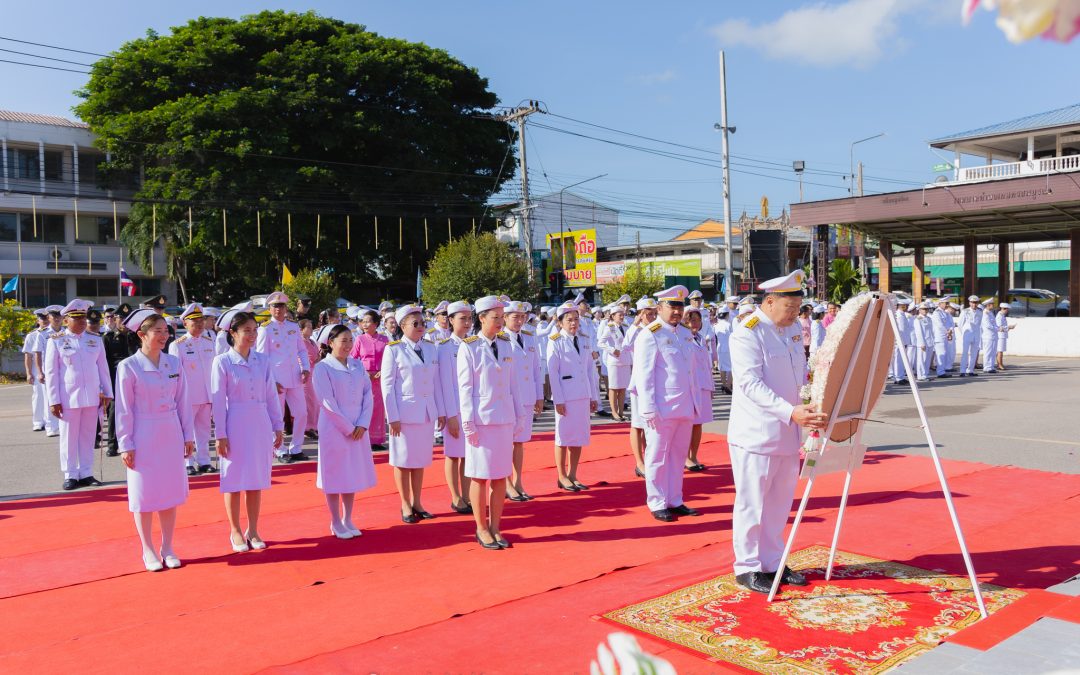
[(248, 426), (1002, 321), (576, 392), (489, 414), (413, 402), (461, 317), (702, 365), (617, 360), (722, 328), (155, 431), (343, 391), (530, 389)]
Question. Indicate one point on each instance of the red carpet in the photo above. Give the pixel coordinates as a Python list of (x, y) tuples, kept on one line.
[(426, 597), (871, 616)]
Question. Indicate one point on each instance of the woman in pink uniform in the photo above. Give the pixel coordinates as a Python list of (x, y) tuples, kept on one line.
[(368, 349), (155, 431)]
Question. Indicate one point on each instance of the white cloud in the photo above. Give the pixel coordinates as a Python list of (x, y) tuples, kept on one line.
[(851, 33), (662, 77)]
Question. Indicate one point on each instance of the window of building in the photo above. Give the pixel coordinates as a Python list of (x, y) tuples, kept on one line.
[(50, 228), (44, 291), (54, 165), (97, 287), (96, 230), (8, 226), (23, 163), (147, 286), (89, 173)]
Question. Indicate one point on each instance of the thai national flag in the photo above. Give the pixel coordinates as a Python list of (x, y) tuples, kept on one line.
[(126, 282)]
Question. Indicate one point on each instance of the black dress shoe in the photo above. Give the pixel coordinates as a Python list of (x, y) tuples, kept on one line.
[(945, 375), (571, 488), (696, 468), (192, 471), (378, 447), (285, 459), (581, 486), (758, 582), (684, 510), (71, 484), (411, 519), (793, 578), (423, 514), (602, 413), (207, 468), (460, 509), (665, 515), (493, 546), (112, 453), (89, 481), (299, 457), (528, 497), (637, 472), (502, 542), (517, 498)]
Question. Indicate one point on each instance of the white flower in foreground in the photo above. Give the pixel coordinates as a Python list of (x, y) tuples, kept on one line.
[(626, 658), (1022, 20)]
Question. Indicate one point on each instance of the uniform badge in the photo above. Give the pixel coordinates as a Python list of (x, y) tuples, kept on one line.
[(751, 322), (797, 338)]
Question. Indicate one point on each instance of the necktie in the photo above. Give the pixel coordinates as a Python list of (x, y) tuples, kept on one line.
[(576, 348), (520, 342), (495, 349), (419, 354)]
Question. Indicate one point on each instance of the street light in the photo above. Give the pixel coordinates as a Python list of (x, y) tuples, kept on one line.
[(562, 242), (851, 160)]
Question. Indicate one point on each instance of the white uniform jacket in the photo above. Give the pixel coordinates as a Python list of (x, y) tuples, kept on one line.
[(528, 377), (612, 340), (663, 379), (924, 332), (409, 384), (970, 321), (943, 323), (448, 381), (768, 367), (283, 343), (76, 372), (487, 391), (571, 371), (196, 359)]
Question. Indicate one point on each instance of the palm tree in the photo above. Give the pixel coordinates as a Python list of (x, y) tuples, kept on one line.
[(844, 280)]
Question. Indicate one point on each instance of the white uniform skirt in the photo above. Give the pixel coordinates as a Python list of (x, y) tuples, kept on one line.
[(705, 413), (345, 465), (572, 429), (453, 447), (493, 455), (635, 419), (159, 479), (523, 428), (618, 377), (723, 361), (412, 448), (251, 448)]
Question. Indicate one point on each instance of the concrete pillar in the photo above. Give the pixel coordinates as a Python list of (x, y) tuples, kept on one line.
[(884, 266), (822, 262), (1003, 272), (1074, 272), (1031, 148), (918, 266), (971, 269)]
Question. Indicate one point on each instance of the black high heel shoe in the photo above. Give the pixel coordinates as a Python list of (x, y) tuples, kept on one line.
[(572, 488), (461, 509), (637, 472), (502, 543), (519, 497), (493, 546), (411, 518)]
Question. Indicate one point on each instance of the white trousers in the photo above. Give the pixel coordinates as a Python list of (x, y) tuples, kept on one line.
[(950, 353), (666, 449), (200, 412), (941, 350), (764, 489), (294, 396), (970, 352), (37, 404), (77, 430), (989, 350), (922, 362), (898, 364)]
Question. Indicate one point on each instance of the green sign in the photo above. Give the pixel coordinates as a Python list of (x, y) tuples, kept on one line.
[(944, 166)]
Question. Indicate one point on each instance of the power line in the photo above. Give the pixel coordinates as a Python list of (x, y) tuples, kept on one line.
[(65, 49), (42, 65), (47, 58)]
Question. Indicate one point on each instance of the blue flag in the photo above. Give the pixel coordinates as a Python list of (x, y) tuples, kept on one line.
[(11, 285), (419, 287)]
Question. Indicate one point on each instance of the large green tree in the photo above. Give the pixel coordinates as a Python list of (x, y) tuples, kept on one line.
[(474, 266), (282, 115)]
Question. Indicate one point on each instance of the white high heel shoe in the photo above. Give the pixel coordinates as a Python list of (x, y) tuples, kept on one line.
[(152, 564), (354, 530), (171, 561), (256, 544), (238, 548), (347, 534)]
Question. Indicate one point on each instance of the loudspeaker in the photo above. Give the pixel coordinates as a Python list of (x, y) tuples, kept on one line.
[(766, 258)]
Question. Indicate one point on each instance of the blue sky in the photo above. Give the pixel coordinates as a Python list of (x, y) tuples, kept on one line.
[(805, 79)]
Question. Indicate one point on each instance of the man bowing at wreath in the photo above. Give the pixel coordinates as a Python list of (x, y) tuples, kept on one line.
[(768, 365)]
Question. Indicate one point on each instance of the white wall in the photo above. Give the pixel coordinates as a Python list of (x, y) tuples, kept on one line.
[(1042, 336)]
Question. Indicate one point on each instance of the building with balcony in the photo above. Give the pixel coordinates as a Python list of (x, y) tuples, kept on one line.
[(1013, 182), (58, 225)]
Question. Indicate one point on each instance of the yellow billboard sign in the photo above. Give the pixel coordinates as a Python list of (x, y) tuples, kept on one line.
[(578, 249)]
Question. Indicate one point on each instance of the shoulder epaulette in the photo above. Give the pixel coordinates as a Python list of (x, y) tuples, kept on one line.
[(556, 336), (444, 340), (56, 335), (471, 339), (655, 327), (395, 342), (751, 322), (503, 336), (612, 324), (185, 336), (93, 333), (431, 330), (527, 332)]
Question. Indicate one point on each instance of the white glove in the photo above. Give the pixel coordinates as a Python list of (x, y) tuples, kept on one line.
[(650, 420), (471, 434)]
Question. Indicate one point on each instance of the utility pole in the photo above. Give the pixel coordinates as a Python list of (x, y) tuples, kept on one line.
[(728, 280), (519, 114)]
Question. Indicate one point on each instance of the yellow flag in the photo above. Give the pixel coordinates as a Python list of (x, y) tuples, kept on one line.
[(286, 275)]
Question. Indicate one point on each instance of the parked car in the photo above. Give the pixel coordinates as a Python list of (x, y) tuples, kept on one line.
[(1036, 302)]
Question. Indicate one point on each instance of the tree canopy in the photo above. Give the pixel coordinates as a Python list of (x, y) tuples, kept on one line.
[(281, 116), (637, 280), (474, 266)]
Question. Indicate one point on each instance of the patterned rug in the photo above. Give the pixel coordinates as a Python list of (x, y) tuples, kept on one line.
[(871, 616)]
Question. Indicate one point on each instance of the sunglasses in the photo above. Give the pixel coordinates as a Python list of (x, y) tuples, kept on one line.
[(277, 304)]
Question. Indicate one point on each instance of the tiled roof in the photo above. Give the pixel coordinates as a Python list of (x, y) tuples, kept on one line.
[(34, 118), (709, 229), (1054, 118)]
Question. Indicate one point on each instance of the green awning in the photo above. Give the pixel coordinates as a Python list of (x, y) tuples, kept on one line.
[(987, 270)]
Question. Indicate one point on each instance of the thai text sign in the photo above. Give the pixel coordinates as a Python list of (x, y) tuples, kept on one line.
[(579, 248), (612, 272)]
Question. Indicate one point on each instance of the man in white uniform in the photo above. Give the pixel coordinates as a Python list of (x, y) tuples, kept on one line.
[(943, 334), (195, 350), (768, 368), (970, 331), (281, 341), (32, 363), (666, 389)]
